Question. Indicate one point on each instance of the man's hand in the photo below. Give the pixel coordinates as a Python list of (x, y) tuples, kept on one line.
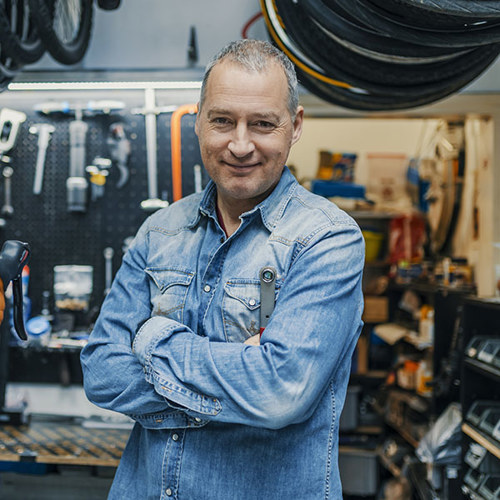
[(2, 301), (253, 340)]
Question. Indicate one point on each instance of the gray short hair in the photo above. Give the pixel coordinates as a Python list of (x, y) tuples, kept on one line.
[(255, 55)]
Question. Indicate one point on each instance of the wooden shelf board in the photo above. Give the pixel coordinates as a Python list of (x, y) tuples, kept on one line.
[(480, 438)]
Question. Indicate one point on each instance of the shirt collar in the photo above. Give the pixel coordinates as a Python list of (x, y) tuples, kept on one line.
[(271, 209)]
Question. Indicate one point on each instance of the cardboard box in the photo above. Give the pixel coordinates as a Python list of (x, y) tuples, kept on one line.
[(376, 309)]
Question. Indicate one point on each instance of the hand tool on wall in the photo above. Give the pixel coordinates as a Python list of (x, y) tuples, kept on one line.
[(10, 121), (7, 209), (13, 257), (108, 269), (150, 111), (44, 131), (119, 149), (198, 186), (76, 184), (99, 171)]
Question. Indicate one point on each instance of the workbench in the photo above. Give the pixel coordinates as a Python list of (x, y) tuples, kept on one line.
[(50, 442)]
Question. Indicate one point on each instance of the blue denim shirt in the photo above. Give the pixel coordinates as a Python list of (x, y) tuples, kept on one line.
[(216, 418)]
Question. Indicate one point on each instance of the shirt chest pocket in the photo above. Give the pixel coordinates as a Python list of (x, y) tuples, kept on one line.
[(169, 288), (241, 309)]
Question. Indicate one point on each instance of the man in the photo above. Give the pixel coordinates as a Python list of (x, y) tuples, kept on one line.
[(219, 414)]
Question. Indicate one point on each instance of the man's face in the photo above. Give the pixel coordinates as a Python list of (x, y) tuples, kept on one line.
[(245, 132)]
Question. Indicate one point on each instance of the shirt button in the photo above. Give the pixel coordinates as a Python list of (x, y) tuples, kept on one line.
[(175, 437), (168, 491), (252, 302), (222, 239), (207, 288)]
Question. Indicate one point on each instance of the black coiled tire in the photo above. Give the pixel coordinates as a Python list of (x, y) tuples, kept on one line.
[(19, 38), (347, 61), (66, 37)]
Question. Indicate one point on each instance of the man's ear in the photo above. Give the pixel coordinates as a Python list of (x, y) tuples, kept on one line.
[(297, 124)]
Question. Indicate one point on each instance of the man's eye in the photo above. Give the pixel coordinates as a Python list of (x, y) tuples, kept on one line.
[(220, 120), (264, 125)]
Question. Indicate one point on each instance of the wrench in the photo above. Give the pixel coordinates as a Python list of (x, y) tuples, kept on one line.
[(7, 209), (44, 131)]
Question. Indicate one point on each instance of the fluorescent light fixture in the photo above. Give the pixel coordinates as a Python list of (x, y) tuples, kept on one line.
[(167, 85)]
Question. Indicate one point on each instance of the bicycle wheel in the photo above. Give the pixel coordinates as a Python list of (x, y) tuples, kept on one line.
[(64, 26), (18, 35)]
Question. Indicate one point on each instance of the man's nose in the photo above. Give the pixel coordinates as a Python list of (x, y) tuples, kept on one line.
[(241, 143)]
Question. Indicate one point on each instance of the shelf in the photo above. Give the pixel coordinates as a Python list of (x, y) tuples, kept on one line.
[(372, 214), (403, 433), (430, 288), (378, 264), (483, 368), (481, 438)]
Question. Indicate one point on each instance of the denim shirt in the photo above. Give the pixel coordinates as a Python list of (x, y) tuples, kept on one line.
[(216, 418)]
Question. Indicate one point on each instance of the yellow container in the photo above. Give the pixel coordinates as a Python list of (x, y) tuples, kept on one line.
[(373, 244)]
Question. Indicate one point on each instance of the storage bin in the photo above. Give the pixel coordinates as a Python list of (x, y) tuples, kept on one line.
[(373, 244), (358, 471), (350, 414)]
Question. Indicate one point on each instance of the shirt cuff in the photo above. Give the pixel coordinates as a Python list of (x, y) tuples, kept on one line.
[(154, 329)]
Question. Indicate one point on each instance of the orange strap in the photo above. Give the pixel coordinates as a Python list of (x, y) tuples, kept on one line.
[(176, 146)]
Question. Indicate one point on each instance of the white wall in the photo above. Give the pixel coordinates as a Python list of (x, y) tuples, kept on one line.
[(154, 34), (360, 136)]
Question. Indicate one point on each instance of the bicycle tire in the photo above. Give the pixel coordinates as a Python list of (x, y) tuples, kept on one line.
[(444, 20), (63, 49), (18, 36), (399, 80), (368, 12), (359, 70), (343, 92), (373, 103), (480, 8), (349, 29)]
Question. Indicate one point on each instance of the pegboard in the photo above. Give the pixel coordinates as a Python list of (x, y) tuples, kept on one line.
[(58, 236)]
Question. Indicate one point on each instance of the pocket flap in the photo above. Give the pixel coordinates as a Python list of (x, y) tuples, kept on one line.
[(247, 293), (165, 278)]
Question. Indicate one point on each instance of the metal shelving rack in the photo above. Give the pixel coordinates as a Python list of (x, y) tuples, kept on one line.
[(480, 478)]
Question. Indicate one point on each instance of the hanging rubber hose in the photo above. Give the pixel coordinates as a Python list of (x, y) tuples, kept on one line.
[(176, 146)]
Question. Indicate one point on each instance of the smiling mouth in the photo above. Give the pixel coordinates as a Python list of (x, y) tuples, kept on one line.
[(241, 165)]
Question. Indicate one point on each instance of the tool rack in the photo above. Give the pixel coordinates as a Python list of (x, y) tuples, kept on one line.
[(58, 236)]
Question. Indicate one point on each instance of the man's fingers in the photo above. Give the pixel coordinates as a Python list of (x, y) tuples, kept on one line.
[(253, 340)]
